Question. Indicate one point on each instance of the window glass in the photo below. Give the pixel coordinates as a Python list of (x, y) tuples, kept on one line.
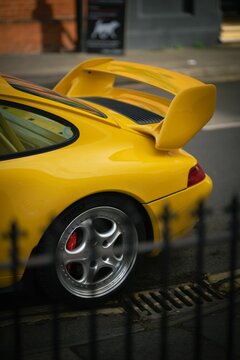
[(25, 130)]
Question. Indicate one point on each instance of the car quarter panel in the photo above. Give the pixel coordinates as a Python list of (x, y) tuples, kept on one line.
[(182, 206), (35, 189)]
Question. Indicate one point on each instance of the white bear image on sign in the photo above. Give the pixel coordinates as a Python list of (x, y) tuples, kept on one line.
[(105, 30)]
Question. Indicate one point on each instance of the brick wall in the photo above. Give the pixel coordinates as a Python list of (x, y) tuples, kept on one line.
[(33, 26)]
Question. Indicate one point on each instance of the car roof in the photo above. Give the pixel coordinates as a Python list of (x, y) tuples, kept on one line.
[(45, 93)]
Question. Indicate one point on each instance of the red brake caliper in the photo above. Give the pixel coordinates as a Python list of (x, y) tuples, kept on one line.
[(71, 245)]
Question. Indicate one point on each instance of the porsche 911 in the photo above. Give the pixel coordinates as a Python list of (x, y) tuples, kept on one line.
[(87, 168)]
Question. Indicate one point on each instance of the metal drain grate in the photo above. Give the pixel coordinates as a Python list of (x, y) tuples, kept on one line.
[(154, 302)]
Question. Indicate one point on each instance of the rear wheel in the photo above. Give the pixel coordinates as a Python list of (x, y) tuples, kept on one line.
[(95, 246)]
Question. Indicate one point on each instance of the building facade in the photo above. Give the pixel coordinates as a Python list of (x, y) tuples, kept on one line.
[(155, 24), (34, 26)]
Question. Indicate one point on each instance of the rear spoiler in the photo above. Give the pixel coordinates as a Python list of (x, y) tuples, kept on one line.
[(191, 108)]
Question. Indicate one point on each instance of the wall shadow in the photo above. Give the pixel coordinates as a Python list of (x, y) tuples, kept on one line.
[(52, 30)]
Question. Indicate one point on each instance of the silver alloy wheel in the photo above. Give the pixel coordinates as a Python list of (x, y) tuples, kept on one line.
[(96, 252)]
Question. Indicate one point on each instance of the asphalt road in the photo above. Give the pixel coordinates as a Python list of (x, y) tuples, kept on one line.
[(217, 149)]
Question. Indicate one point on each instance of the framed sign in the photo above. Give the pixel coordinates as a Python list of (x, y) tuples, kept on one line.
[(106, 26)]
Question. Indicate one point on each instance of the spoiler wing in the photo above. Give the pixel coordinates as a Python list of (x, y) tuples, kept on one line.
[(191, 108), (189, 111)]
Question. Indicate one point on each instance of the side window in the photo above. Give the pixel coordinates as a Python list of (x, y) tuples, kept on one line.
[(26, 130)]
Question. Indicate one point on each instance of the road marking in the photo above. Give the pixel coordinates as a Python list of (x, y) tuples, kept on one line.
[(222, 126)]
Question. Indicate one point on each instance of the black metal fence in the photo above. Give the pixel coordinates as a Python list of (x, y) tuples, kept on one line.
[(11, 343)]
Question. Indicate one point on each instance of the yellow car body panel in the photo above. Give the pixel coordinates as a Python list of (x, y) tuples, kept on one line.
[(111, 154), (182, 206)]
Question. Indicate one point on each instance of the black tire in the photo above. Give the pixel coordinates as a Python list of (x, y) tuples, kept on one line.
[(94, 245)]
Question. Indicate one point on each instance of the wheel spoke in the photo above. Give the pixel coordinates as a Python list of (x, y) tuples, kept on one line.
[(89, 273), (109, 242), (112, 262), (91, 235), (112, 239), (79, 255)]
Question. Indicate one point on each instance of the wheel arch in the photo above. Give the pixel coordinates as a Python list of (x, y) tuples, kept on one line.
[(126, 203), (110, 194)]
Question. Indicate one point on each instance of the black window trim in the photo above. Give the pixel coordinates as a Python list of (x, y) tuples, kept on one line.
[(49, 115)]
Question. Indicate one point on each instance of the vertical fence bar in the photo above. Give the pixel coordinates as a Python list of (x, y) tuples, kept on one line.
[(129, 323), (201, 240), (129, 348), (56, 331), (234, 226), (166, 217), (128, 333), (93, 336), (93, 350), (14, 236)]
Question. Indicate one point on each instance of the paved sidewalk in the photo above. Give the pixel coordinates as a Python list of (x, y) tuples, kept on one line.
[(112, 341), (221, 63)]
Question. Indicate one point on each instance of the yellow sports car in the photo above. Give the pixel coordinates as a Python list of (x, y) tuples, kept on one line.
[(86, 170)]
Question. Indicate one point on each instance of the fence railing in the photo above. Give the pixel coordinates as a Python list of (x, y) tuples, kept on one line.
[(198, 241)]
